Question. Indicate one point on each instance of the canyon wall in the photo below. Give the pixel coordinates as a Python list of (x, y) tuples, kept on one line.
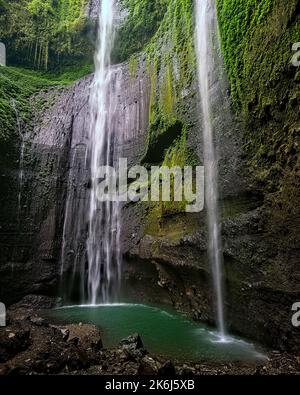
[(158, 121)]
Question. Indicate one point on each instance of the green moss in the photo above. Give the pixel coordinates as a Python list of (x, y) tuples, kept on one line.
[(152, 102), (171, 68), (160, 213), (173, 227), (168, 94), (257, 38), (161, 136), (177, 155), (143, 20), (133, 66)]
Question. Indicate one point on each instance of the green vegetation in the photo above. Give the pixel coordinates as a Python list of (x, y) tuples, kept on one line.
[(144, 18), (162, 34), (257, 38), (19, 85), (178, 155), (171, 66), (45, 34), (50, 36), (239, 19)]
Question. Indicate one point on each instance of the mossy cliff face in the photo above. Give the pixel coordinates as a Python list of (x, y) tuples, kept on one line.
[(164, 48), (259, 233), (257, 41), (160, 123)]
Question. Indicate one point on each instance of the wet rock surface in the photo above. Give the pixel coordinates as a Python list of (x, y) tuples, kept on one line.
[(133, 346), (262, 273)]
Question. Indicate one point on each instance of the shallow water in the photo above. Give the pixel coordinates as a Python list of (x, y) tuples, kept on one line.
[(164, 332)]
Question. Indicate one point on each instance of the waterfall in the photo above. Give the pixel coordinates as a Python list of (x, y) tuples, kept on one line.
[(74, 235), (103, 242), (21, 160), (205, 14)]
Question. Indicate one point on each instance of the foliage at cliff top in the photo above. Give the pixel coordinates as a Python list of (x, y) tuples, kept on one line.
[(45, 33), (142, 22), (257, 39), (19, 85), (159, 35)]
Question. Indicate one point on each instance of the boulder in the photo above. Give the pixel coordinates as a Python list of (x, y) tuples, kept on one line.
[(148, 367), (12, 342), (133, 346), (167, 369), (85, 336)]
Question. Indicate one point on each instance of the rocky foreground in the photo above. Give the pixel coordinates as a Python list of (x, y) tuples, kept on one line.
[(32, 345)]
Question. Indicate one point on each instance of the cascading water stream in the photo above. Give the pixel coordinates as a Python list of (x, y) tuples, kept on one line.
[(205, 14), (22, 151), (103, 246)]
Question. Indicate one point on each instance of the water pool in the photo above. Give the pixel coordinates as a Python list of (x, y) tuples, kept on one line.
[(164, 332)]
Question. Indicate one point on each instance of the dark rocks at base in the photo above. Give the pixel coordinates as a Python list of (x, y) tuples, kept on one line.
[(86, 336), (39, 321), (133, 346), (13, 340), (148, 366), (28, 309), (34, 302), (167, 369), (187, 371), (30, 345)]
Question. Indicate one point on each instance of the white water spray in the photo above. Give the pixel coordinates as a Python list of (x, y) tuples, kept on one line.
[(205, 14), (22, 152), (103, 243)]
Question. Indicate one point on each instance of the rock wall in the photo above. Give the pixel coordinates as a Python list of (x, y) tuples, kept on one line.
[(31, 236), (56, 184), (165, 255)]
